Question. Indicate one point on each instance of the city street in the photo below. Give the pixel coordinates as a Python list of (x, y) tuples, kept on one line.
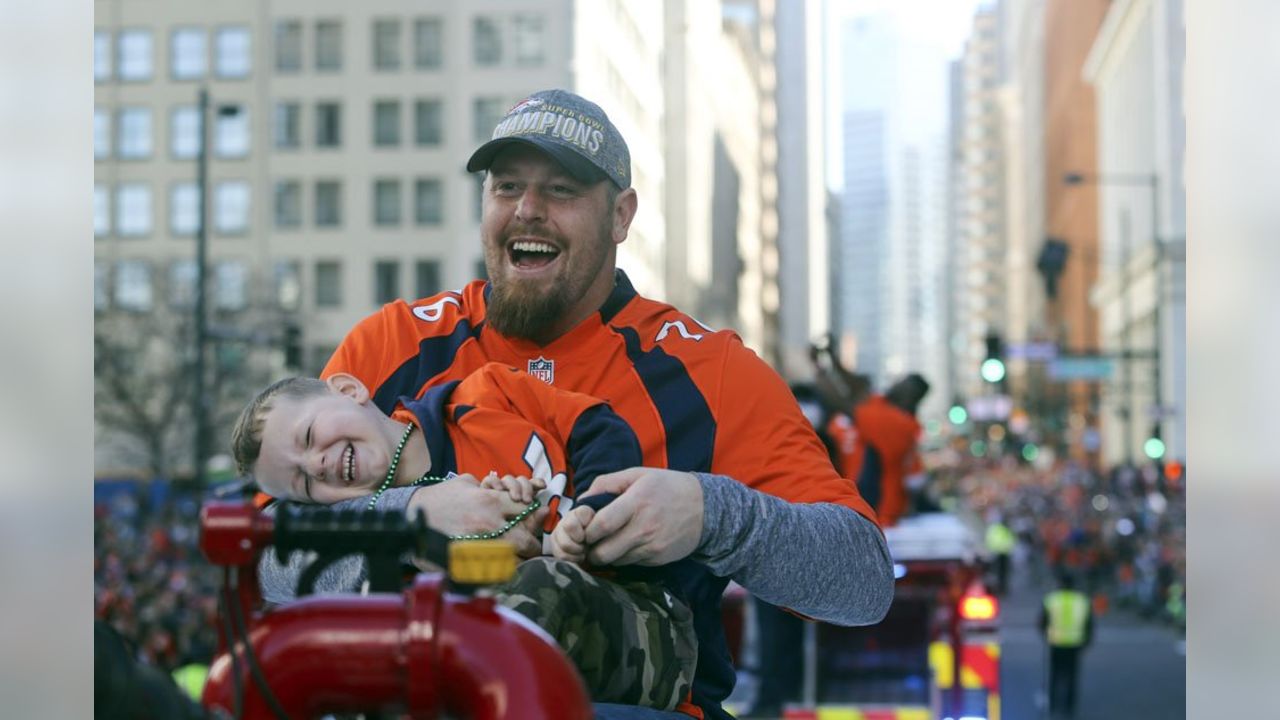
[(1135, 669)]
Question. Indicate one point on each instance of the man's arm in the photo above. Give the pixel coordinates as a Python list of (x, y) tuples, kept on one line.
[(820, 559)]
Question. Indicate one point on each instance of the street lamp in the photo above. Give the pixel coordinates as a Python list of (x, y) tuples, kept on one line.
[(200, 400), (1152, 181)]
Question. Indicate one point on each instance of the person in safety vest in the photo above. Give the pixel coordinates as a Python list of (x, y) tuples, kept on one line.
[(1000, 541), (1067, 623)]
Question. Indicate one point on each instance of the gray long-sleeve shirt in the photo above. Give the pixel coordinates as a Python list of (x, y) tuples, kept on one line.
[(823, 560)]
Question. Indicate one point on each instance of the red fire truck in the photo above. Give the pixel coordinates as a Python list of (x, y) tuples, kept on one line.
[(935, 656)]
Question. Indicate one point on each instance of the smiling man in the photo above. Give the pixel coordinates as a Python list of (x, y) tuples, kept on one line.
[(735, 483)]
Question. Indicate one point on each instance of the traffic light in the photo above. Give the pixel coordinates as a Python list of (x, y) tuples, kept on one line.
[(1154, 446), (292, 346), (993, 367), (957, 414)]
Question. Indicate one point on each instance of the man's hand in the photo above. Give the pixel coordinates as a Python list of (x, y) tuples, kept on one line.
[(569, 539), (461, 507), (656, 519)]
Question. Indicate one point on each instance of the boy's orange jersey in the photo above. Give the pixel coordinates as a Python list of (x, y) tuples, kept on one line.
[(500, 419)]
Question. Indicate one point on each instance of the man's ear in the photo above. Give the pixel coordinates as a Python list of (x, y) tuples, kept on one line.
[(624, 211), (348, 385)]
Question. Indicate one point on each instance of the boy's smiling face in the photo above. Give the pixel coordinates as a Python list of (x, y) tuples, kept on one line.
[(325, 447)]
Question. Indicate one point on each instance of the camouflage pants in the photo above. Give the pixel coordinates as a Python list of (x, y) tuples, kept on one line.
[(632, 642)]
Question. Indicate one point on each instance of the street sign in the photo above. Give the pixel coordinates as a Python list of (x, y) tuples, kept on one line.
[(1042, 351), (990, 408), (1081, 367)]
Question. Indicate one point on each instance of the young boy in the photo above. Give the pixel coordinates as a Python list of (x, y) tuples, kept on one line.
[(315, 441)]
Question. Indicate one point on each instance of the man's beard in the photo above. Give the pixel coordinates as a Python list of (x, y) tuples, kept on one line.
[(516, 312)]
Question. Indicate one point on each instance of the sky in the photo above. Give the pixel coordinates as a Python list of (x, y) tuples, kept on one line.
[(940, 24)]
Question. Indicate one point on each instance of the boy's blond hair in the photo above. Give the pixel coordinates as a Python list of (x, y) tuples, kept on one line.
[(246, 437)]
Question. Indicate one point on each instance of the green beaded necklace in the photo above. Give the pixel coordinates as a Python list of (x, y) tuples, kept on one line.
[(428, 479)]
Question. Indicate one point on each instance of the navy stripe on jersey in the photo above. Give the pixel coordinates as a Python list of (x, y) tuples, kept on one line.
[(600, 442), (687, 422), (623, 292), (435, 355), (429, 410)]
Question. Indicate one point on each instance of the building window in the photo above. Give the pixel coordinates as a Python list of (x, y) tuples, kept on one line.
[(481, 272), (231, 133), (428, 201), (386, 123), (231, 207), (386, 44), (487, 112), (288, 126), (328, 283), (184, 132), (328, 125), (426, 278), (101, 285), (386, 281), (101, 134), (328, 203), (386, 201), (182, 283), (288, 46), (477, 207), (529, 41), (287, 275), (184, 209), (329, 45), (133, 210), (188, 53), (428, 122), (133, 285), (101, 211), (135, 133), (135, 55), (428, 43), (230, 286), (486, 41), (101, 55), (288, 203), (233, 52)]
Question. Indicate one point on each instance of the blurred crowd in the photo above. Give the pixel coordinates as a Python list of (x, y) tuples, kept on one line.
[(1121, 534), (150, 581)]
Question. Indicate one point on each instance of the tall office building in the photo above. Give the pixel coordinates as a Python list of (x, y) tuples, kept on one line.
[(980, 264), (893, 213), (1136, 68)]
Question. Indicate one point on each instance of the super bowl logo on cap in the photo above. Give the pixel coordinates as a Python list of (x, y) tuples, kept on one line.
[(543, 369), (526, 103)]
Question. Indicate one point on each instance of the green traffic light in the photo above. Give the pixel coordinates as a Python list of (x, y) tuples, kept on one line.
[(978, 448), (1154, 448), (957, 415), (993, 370), (1030, 452)]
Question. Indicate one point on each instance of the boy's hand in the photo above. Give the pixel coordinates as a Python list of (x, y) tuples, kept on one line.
[(520, 489), (460, 506), (569, 539)]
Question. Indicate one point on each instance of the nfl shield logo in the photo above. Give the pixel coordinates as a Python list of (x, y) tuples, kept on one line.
[(543, 369)]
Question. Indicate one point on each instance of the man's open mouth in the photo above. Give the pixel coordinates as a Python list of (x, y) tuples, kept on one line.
[(349, 464), (532, 254)]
